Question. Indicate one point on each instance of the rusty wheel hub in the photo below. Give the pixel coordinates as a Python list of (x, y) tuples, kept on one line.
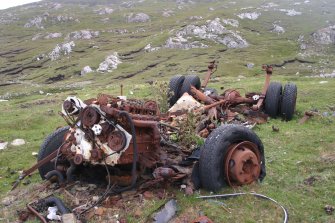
[(242, 164)]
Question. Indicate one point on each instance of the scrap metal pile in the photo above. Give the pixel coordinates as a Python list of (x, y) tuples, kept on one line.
[(230, 107), (122, 142)]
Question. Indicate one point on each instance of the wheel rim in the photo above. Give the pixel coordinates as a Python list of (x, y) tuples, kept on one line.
[(242, 164)]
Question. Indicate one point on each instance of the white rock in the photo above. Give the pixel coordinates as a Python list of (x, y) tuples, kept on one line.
[(104, 11), (250, 65), (290, 12), (278, 29), (139, 17), (18, 142), (86, 70), (110, 63), (8, 200), (3, 100), (41, 92), (325, 35), (249, 15), (34, 154), (62, 49), (213, 30), (3, 145), (82, 34), (37, 21), (53, 35), (323, 82), (231, 22), (196, 17)]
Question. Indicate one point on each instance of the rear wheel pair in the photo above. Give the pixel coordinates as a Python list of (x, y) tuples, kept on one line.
[(179, 84), (279, 102)]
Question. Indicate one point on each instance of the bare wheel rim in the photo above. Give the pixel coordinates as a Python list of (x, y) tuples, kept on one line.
[(242, 164)]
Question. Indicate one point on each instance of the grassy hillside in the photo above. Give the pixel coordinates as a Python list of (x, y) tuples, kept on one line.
[(299, 158)]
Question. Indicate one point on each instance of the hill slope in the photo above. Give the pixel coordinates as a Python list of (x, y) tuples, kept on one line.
[(54, 40)]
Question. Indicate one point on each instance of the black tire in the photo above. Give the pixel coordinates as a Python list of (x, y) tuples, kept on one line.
[(289, 101), (174, 87), (211, 163), (272, 99), (50, 144), (190, 80)]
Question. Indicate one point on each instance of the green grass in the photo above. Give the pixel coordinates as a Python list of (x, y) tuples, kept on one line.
[(292, 155)]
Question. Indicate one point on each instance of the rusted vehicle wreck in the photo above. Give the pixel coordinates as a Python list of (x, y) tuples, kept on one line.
[(122, 142)]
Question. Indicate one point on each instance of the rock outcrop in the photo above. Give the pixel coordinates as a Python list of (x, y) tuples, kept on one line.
[(213, 30), (82, 34), (61, 49), (325, 35), (110, 63), (138, 18), (249, 15)]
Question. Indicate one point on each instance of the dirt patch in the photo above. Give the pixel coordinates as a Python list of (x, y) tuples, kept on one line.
[(292, 61), (328, 158), (38, 102), (59, 77), (311, 180)]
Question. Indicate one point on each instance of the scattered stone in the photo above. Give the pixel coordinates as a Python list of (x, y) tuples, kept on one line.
[(148, 48), (3, 100), (83, 34), (167, 13), (196, 17), (250, 65), (231, 22), (61, 49), (329, 209), (290, 12), (213, 30), (269, 5), (138, 18), (37, 36), (111, 62), (323, 82), (3, 145), (41, 92), (53, 35), (37, 21), (86, 70), (167, 213), (249, 15), (330, 75), (278, 29), (104, 11), (8, 200), (18, 142), (180, 42), (325, 35), (34, 154), (62, 19)]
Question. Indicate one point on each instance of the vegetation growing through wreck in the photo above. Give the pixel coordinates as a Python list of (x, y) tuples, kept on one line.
[(293, 155), (300, 159)]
